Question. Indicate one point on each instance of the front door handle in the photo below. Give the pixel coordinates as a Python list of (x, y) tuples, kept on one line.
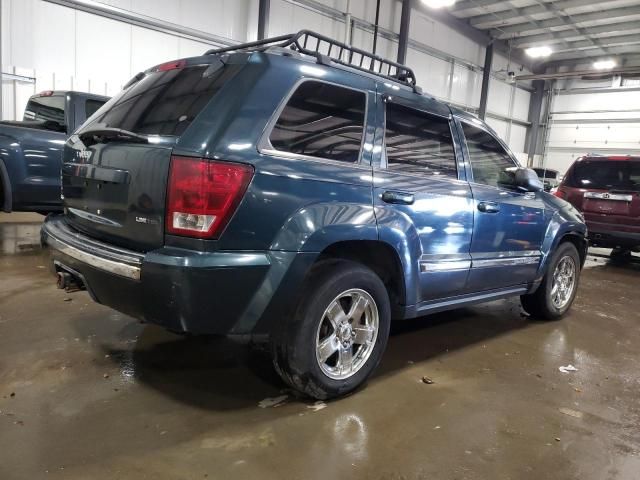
[(488, 207), (398, 198)]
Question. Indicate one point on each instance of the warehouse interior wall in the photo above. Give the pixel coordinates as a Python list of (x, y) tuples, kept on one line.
[(48, 46), (599, 117)]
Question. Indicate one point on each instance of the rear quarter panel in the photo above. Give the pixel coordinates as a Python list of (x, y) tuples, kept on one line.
[(292, 204)]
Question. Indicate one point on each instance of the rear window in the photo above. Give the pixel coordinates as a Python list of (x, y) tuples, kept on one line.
[(46, 109), (321, 120), (165, 102), (606, 175)]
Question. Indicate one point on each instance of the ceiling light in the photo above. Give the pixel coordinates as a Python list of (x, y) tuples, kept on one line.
[(604, 64), (438, 3), (539, 52)]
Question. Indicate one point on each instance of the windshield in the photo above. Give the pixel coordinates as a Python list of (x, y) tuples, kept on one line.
[(163, 102), (606, 175)]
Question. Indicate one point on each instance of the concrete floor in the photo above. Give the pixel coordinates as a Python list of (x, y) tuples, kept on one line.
[(87, 393)]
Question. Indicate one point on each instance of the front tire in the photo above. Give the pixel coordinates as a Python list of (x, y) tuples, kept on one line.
[(338, 333), (558, 289)]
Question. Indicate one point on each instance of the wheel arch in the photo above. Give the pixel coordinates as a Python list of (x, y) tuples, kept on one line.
[(380, 257)]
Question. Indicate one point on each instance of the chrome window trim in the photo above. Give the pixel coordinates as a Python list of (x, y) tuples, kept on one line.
[(266, 148)]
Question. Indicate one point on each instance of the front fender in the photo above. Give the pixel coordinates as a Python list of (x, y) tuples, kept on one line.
[(566, 221)]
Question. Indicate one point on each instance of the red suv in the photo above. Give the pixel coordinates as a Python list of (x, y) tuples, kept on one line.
[(607, 191)]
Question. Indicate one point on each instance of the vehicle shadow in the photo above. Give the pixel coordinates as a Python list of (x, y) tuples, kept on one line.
[(221, 373), (601, 260)]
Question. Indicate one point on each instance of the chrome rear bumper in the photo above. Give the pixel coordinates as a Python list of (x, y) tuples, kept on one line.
[(59, 236)]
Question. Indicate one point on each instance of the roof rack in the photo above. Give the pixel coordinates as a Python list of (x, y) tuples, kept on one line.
[(327, 50)]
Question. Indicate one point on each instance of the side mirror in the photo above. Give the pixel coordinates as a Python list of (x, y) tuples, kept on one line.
[(527, 180)]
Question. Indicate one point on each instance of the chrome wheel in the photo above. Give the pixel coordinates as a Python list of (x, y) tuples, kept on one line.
[(564, 282), (347, 333)]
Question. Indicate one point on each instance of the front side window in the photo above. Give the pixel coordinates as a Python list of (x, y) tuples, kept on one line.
[(321, 120), (490, 162), (418, 143)]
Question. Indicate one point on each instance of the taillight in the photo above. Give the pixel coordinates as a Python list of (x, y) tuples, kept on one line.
[(203, 195), (560, 194), (174, 65)]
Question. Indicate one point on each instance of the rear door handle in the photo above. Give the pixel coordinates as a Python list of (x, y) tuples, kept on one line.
[(398, 198), (488, 207)]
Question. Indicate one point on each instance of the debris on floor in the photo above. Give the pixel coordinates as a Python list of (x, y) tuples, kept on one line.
[(319, 405), (570, 412), (568, 368), (427, 380), (273, 402)]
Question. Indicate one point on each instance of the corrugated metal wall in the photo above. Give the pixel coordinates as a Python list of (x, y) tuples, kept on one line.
[(63, 48), (592, 117)]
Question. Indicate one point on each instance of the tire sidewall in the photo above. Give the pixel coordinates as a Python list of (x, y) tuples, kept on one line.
[(310, 313)]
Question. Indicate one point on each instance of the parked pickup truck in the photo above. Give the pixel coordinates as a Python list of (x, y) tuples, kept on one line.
[(31, 149), (273, 190)]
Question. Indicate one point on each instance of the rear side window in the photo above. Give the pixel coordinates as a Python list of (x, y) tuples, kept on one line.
[(418, 143), (321, 120), (602, 174), (91, 107), (490, 162), (165, 102), (46, 109)]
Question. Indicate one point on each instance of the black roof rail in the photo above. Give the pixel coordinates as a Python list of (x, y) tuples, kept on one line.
[(326, 50)]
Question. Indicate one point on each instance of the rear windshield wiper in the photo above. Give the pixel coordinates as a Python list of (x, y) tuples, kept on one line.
[(108, 134)]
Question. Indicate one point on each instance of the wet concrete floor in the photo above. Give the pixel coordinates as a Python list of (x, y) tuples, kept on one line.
[(87, 393)]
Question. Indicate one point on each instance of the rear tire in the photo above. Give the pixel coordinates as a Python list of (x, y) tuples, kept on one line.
[(338, 332), (558, 289), (620, 254)]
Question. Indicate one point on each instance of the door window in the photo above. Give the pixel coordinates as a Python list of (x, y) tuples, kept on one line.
[(322, 120), (490, 162), (418, 143)]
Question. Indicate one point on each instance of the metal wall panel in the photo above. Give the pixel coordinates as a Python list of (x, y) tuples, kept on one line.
[(591, 120)]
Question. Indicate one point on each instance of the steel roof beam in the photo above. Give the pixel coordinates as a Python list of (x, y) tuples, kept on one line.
[(546, 38), (620, 51), (612, 15), (569, 23), (509, 13), (605, 42), (626, 60)]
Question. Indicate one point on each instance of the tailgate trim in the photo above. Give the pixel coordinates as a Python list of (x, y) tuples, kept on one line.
[(72, 245), (609, 196)]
